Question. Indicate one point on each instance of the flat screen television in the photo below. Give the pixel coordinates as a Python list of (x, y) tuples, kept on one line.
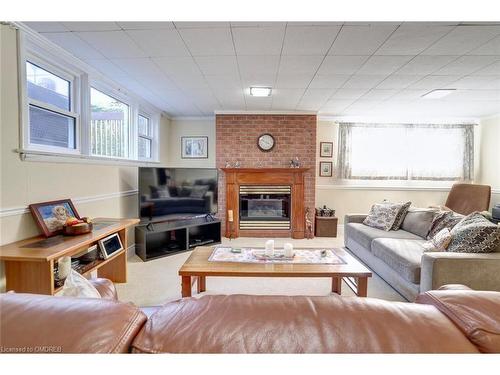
[(176, 193)]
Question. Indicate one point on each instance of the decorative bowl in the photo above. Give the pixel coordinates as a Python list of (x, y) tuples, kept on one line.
[(75, 230)]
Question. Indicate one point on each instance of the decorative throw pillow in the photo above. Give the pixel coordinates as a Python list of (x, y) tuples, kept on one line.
[(383, 215), (78, 286), (474, 234), (444, 219), (418, 221), (163, 192), (439, 242), (401, 216)]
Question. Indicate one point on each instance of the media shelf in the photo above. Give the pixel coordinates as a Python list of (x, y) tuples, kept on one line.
[(157, 240)]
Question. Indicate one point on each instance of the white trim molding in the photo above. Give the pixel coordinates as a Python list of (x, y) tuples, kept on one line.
[(13, 211), (386, 188), (495, 191)]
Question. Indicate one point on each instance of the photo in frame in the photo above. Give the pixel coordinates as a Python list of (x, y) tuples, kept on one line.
[(194, 147), (326, 149), (51, 216), (325, 168)]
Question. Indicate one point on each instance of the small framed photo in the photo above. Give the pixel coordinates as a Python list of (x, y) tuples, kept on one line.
[(326, 149), (110, 245), (194, 147), (51, 216), (325, 168)]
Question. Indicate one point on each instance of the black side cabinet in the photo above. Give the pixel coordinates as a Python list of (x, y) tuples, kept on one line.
[(156, 240)]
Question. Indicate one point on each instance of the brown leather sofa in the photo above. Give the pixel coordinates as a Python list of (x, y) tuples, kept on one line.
[(453, 319)]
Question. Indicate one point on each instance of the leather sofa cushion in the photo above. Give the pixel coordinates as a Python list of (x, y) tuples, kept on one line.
[(105, 287), (364, 235), (403, 256), (476, 313), (284, 324), (419, 221), (67, 325)]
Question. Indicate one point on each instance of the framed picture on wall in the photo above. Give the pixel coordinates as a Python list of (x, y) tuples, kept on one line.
[(325, 168), (51, 216), (326, 149), (194, 147)]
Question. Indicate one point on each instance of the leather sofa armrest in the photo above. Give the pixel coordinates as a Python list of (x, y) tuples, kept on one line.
[(477, 271), (475, 313), (105, 287)]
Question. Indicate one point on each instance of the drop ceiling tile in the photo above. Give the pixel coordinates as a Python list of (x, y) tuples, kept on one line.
[(329, 81), (107, 68), (408, 94), (255, 103), (218, 65), (309, 40), (144, 68), (299, 64), (113, 44), (490, 70), (434, 82), (463, 39), (208, 41), (466, 65), (249, 65), (230, 98), (348, 94), (490, 48), (360, 39), (91, 26), (399, 81), (337, 105), (47, 27), (379, 94), (425, 64), (411, 39), (174, 65), (341, 64), (224, 81), (286, 98), (362, 81), (383, 64), (466, 95), (258, 40), (73, 44), (145, 25), (196, 81), (159, 43), (294, 81), (265, 80), (257, 24), (201, 25), (478, 82)]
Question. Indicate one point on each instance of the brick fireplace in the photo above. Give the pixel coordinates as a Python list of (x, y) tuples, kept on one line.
[(295, 136)]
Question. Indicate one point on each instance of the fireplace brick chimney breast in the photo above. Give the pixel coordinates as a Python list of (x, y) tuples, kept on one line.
[(236, 140)]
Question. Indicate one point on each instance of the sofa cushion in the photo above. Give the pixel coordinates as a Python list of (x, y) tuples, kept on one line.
[(444, 219), (403, 256), (383, 215), (418, 221), (364, 235), (401, 216)]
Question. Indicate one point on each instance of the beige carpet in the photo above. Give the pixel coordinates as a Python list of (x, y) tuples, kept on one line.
[(157, 281)]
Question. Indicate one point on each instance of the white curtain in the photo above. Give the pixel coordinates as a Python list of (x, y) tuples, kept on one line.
[(406, 151)]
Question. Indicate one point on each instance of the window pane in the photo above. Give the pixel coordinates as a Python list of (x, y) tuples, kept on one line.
[(47, 87), (144, 148), (144, 126), (109, 125), (51, 128)]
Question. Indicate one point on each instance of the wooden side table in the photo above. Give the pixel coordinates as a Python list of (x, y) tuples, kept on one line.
[(326, 226)]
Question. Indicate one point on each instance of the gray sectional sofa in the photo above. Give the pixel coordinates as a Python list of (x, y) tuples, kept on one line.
[(399, 258)]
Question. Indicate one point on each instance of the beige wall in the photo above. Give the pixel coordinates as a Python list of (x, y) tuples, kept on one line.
[(98, 190), (490, 155), (181, 127)]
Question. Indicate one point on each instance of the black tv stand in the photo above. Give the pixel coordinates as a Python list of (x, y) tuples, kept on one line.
[(159, 239)]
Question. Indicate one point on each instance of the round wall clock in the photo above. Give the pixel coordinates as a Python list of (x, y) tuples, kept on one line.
[(266, 142)]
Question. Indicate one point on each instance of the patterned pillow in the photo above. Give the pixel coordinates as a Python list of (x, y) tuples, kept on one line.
[(474, 234), (439, 242), (401, 216), (444, 219), (383, 215)]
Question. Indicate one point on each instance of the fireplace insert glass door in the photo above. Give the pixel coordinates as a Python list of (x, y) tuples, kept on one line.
[(265, 207)]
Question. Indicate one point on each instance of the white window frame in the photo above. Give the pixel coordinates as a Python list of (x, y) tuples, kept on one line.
[(153, 137), (34, 48), (73, 78)]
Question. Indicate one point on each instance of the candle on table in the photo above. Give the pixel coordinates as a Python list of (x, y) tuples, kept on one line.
[(288, 250), (269, 248)]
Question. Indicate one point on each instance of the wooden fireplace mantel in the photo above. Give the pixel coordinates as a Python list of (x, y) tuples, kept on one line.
[(265, 176)]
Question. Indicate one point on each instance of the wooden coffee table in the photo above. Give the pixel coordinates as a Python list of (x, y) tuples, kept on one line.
[(197, 268)]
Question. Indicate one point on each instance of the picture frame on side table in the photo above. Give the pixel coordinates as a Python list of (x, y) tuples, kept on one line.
[(326, 149), (325, 169), (194, 147), (51, 216)]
